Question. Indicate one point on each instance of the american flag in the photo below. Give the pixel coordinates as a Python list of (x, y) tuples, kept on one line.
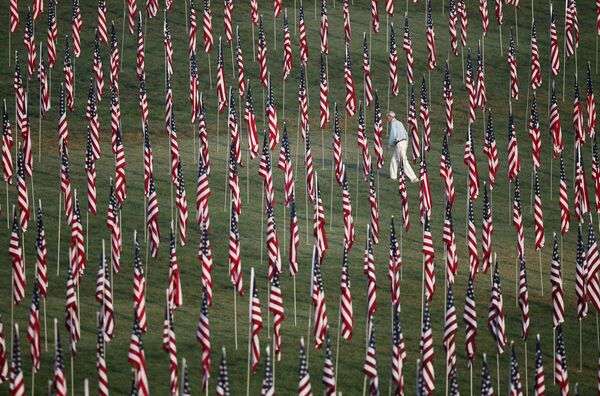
[(485, 19), (277, 7), (403, 198), (19, 95), (426, 347), (152, 217), (349, 81), (369, 270), (539, 387), (77, 251), (266, 173), (33, 329), (107, 316), (393, 64), (29, 42), (203, 337), (370, 366), (450, 330), (378, 134), (395, 263), (139, 287), (338, 160), (262, 55), (536, 69), (324, 28), (234, 131), (373, 202), (413, 127), (487, 388), (294, 238), (514, 161), (69, 74), (347, 26), (207, 27), (285, 165), (7, 143), (303, 98), (302, 37), (234, 180), (558, 305), (304, 387), (137, 358), (481, 93), (132, 11), (94, 123), (346, 308), (590, 105), (319, 221), (63, 127), (428, 260), (120, 166), (268, 386), (72, 312), (76, 26), (221, 86), (375, 16), (17, 378), (464, 22), (41, 269), (389, 7), (181, 204), (328, 370), (250, 120), (192, 28), (22, 194), (424, 116), (194, 89), (103, 387), (347, 213), (115, 117), (148, 160), (59, 375), (555, 125), (563, 199), (449, 239), (18, 266), (518, 219), (596, 172), (102, 28), (310, 174), (52, 34), (170, 346), (276, 308), (498, 9), (431, 52), (512, 64), (235, 259), (65, 183), (255, 322), (205, 257), (151, 8), (452, 22), (448, 100), (571, 28), (496, 320), (515, 387), (43, 79), (470, 321), (407, 47), (143, 101), (227, 16), (561, 374), (398, 355), (186, 391), (554, 56), (174, 157), (254, 12), (272, 118), (424, 191), (223, 379), (471, 88), (472, 242), (363, 142), (446, 172), (113, 224), (13, 18), (175, 294), (287, 48), (523, 299), (470, 161), (368, 89), (274, 265), (592, 266), (90, 170), (487, 230), (578, 123), (538, 213), (582, 202)]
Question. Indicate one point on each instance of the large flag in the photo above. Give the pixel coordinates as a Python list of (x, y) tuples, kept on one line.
[(523, 299), (470, 321), (430, 33), (276, 308), (496, 319), (512, 64), (428, 260), (321, 325), (346, 310), (370, 366), (255, 322), (398, 355), (448, 100), (536, 68), (367, 73), (426, 347), (304, 387), (250, 120), (424, 116), (407, 47), (203, 337), (449, 239), (450, 330), (393, 66)]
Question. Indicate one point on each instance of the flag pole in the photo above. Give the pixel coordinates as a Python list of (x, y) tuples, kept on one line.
[(526, 376), (541, 272), (253, 43), (225, 190), (234, 295), (565, 54), (554, 349), (122, 35), (40, 114), (337, 343)]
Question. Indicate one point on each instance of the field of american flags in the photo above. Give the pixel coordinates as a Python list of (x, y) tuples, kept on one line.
[(45, 186)]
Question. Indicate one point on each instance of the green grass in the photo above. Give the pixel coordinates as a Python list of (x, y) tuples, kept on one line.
[(351, 354)]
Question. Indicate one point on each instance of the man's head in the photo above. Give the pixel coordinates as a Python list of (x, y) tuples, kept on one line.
[(390, 116)]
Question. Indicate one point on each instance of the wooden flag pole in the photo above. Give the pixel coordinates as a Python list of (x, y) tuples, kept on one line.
[(526, 376), (517, 25), (541, 272), (564, 64), (122, 35), (253, 44)]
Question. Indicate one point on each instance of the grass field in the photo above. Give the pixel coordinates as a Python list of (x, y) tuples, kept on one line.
[(351, 354)]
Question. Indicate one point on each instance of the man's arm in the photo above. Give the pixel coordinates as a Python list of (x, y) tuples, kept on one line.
[(393, 133)]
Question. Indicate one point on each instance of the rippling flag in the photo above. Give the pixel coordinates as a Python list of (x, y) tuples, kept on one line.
[(393, 63), (431, 52)]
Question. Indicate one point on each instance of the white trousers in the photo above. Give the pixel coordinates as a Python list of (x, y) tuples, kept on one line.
[(400, 155)]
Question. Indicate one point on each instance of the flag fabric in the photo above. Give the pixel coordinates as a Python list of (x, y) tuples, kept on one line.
[(148, 160), (152, 218), (90, 170), (514, 387), (536, 69), (18, 266), (596, 173), (413, 127), (490, 150), (369, 270), (72, 312), (538, 213), (7, 143), (582, 202), (487, 231), (403, 199), (194, 89), (471, 88), (262, 55), (424, 190), (321, 325), (450, 330), (77, 248), (234, 180), (378, 134), (485, 19), (205, 256), (554, 56), (42, 77), (426, 347), (287, 48), (41, 269), (514, 161), (97, 67), (65, 183), (558, 305), (30, 47), (571, 28), (272, 118), (17, 377), (235, 258), (368, 90), (274, 262), (137, 358), (563, 199), (375, 16), (448, 100), (175, 293), (499, 11), (302, 36), (464, 22), (250, 120), (561, 374), (59, 375), (13, 18), (285, 165), (449, 239), (555, 125), (592, 266), (328, 370), (221, 86), (22, 194), (319, 222), (452, 23), (512, 65), (102, 371), (346, 308), (338, 160), (268, 387), (470, 161), (480, 91), (472, 241), (266, 173), (347, 26), (256, 324), (304, 387), (373, 203), (393, 63), (398, 355), (470, 321), (523, 299), (578, 123), (294, 239), (496, 319), (430, 34), (33, 329), (363, 142), (370, 366), (518, 219), (140, 55), (19, 95), (227, 17), (139, 287), (152, 8), (534, 133), (276, 308), (424, 116), (107, 316), (407, 47), (310, 175), (590, 105), (94, 123), (394, 266), (539, 387), (347, 213), (428, 260), (349, 81), (207, 27), (324, 33), (223, 379), (203, 337)]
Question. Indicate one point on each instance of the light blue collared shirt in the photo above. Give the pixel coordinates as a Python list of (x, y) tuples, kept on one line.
[(397, 132)]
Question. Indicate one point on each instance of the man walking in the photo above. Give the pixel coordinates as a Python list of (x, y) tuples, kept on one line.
[(399, 140)]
